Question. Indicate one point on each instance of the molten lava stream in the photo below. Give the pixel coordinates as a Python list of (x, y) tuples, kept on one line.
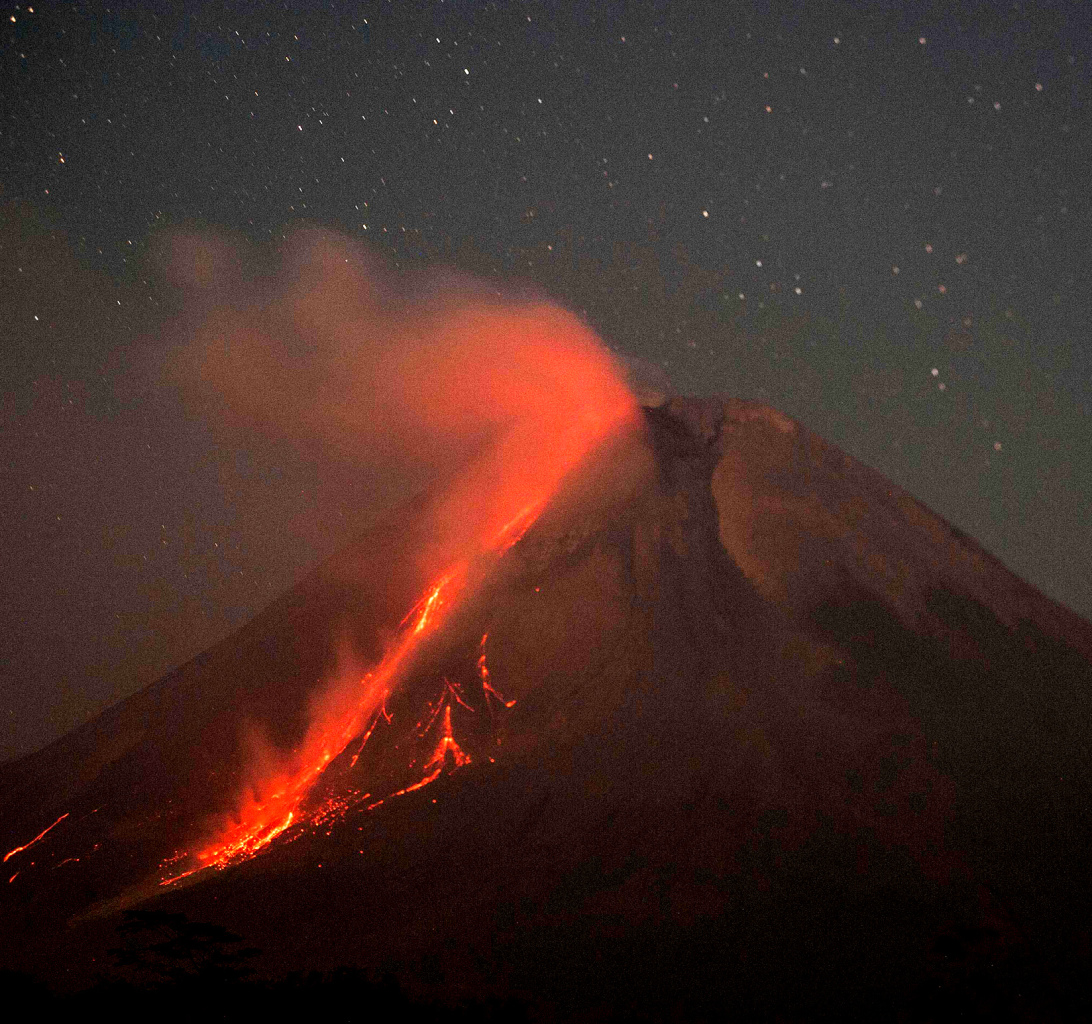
[(262, 818), (483, 516), (37, 839)]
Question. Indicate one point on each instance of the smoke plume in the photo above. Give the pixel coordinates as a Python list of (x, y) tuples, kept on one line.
[(414, 374), (495, 398)]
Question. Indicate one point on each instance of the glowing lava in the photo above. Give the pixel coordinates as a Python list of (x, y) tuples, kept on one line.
[(487, 686), (381, 713), (426, 612), (269, 810), (273, 805), (26, 846), (551, 391), (446, 746)]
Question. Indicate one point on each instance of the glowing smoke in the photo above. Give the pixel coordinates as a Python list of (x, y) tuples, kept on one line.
[(408, 372), (498, 396)]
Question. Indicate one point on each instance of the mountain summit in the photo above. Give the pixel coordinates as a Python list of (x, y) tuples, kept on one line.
[(730, 725)]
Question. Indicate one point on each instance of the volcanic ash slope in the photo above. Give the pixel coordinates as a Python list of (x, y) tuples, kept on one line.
[(764, 733)]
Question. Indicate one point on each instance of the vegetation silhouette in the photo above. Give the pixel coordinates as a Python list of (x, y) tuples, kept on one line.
[(170, 968), (162, 948)]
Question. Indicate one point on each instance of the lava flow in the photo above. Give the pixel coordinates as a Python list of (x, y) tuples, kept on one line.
[(551, 394), (262, 818), (487, 687), (446, 746), (26, 846)]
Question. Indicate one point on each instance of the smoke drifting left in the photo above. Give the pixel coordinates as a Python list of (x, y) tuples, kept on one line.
[(180, 446), (409, 375)]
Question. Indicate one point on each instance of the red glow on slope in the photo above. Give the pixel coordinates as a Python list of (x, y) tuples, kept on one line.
[(37, 838), (487, 687), (271, 809), (425, 612), (446, 745), (381, 713), (542, 384)]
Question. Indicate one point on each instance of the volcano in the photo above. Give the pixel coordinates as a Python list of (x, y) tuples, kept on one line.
[(729, 727)]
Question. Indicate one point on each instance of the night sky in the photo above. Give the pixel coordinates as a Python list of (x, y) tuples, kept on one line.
[(876, 217)]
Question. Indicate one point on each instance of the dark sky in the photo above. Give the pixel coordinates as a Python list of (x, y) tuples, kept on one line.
[(876, 217)]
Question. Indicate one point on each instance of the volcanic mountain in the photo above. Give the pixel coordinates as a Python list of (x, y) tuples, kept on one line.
[(732, 727)]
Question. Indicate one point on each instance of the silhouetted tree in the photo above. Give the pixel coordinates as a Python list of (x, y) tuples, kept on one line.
[(163, 949)]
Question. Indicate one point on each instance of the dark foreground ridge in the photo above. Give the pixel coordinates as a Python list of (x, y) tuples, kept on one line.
[(783, 743)]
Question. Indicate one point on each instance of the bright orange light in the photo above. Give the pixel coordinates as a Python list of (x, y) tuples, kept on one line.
[(487, 687), (445, 745), (440, 594), (547, 390), (37, 838)]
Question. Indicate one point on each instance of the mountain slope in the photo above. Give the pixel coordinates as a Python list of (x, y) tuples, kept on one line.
[(736, 724)]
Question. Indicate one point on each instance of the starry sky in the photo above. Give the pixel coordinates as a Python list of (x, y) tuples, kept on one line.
[(874, 216)]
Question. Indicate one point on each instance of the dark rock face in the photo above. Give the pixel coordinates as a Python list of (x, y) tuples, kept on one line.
[(783, 742)]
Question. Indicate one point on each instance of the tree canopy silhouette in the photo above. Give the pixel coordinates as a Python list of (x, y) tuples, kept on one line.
[(162, 948)]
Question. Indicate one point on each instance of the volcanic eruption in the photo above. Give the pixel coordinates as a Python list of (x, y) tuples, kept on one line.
[(524, 386), (665, 706)]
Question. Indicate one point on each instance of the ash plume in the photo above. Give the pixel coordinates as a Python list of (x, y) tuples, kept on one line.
[(413, 373)]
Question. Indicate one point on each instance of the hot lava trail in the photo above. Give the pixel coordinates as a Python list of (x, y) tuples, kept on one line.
[(262, 818), (41, 835), (276, 802)]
